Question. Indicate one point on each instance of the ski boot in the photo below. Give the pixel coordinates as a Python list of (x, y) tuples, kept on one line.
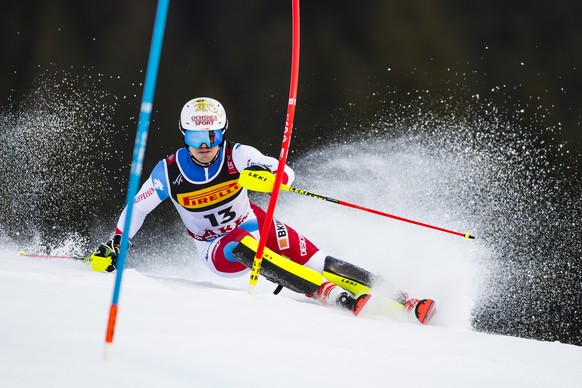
[(330, 293), (424, 309)]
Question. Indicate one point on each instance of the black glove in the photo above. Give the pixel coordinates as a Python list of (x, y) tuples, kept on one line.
[(105, 256)]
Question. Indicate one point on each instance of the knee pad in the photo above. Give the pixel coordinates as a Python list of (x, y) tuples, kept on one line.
[(228, 248)]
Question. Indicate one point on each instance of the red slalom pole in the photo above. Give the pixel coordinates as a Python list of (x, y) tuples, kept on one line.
[(255, 271)]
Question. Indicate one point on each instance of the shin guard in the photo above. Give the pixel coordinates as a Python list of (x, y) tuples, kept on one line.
[(279, 269), (350, 277)]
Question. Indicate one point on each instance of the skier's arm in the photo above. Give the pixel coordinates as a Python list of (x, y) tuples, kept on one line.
[(246, 156), (152, 193)]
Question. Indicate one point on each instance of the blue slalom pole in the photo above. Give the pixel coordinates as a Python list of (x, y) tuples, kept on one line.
[(138, 152)]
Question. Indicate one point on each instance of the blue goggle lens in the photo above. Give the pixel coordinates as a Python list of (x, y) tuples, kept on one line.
[(195, 139)]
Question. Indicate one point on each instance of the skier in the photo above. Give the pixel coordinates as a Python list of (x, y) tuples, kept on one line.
[(201, 179)]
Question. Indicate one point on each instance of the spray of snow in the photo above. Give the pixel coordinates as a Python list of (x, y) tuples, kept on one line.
[(472, 170)]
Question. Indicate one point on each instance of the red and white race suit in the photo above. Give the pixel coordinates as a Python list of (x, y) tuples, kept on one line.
[(216, 210)]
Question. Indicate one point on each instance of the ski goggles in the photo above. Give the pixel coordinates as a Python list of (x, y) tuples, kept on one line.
[(195, 139)]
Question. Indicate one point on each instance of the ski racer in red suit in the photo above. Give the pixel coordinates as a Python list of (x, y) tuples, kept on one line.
[(201, 180)]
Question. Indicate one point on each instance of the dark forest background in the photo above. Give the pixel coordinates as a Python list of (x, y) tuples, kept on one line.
[(351, 53), (358, 60)]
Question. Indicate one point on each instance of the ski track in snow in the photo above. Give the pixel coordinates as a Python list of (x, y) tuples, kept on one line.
[(203, 331)]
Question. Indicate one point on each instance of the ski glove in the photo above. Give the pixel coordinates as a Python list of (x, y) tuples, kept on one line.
[(105, 256)]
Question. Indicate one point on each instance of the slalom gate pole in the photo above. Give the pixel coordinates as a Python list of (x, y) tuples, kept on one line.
[(256, 270), (138, 154), (263, 182)]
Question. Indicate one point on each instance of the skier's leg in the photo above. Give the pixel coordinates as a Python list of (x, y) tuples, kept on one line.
[(357, 280), (277, 268), (349, 276), (360, 281), (286, 241), (297, 277), (233, 255), (212, 254)]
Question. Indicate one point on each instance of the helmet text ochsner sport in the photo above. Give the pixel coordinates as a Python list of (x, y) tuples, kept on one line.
[(204, 119)]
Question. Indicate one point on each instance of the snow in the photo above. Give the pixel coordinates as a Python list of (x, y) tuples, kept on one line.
[(193, 329)]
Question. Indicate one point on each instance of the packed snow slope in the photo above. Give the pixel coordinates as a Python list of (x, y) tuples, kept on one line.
[(198, 330), (181, 326)]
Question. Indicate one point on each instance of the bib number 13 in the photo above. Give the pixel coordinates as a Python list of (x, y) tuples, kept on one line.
[(222, 217)]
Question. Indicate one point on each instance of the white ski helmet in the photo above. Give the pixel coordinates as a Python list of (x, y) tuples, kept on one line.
[(203, 121)]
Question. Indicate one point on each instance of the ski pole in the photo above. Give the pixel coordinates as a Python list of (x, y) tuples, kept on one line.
[(98, 263), (256, 269), (263, 181), (41, 256)]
